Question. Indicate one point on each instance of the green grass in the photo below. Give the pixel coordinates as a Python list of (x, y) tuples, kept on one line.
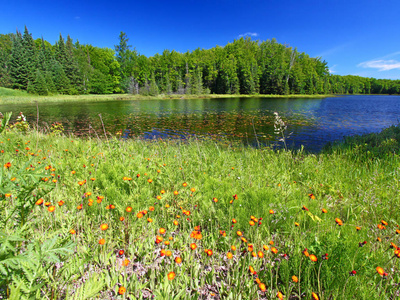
[(278, 188), (5, 92), (16, 96)]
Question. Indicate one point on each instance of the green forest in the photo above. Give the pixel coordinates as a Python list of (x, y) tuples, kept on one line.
[(244, 66)]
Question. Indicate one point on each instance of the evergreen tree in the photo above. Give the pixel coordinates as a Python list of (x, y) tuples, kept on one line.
[(29, 55), (5, 60), (51, 88), (60, 79), (71, 67), (18, 69), (40, 86)]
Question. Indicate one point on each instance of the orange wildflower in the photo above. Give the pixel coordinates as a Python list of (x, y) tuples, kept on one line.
[(184, 184), (313, 258), (72, 231), (262, 287), (295, 279), (260, 254), (279, 295), (128, 209), (271, 212), (192, 190), (251, 270), (162, 230), (61, 203), (178, 260), (7, 165), (176, 223), (265, 247), (39, 202), (102, 241), (251, 223), (122, 219), (168, 253), (234, 221), (305, 252), (274, 250), (339, 222), (171, 275), (239, 233), (314, 296), (193, 246), (103, 226), (151, 208), (51, 208), (126, 262), (149, 180), (121, 290), (149, 220), (209, 252), (233, 248), (380, 226), (176, 193), (324, 211), (229, 255), (139, 215)]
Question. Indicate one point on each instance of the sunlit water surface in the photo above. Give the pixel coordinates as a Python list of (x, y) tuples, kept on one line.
[(310, 122)]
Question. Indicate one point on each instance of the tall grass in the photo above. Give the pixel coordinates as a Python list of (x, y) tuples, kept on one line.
[(16, 96), (137, 187)]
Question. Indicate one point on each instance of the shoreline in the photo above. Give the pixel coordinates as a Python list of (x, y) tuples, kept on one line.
[(130, 97)]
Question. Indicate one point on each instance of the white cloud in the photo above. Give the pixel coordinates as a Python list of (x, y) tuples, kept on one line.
[(380, 64), (254, 34), (331, 69)]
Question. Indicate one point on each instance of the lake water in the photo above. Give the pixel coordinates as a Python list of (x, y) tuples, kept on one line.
[(310, 122)]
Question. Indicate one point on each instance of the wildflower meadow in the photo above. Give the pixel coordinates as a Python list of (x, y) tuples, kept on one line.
[(197, 219)]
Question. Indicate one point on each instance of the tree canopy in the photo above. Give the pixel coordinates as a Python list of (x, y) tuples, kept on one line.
[(244, 66)]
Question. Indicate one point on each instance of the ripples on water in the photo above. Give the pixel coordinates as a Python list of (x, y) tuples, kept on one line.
[(312, 122)]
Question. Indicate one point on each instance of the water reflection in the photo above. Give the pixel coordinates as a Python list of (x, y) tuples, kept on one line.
[(313, 122)]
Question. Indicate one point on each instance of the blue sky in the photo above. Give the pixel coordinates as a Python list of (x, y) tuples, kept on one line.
[(357, 37)]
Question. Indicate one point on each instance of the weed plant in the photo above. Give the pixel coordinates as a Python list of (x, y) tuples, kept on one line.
[(135, 219)]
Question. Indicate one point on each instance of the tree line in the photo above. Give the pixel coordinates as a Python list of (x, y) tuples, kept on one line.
[(244, 66)]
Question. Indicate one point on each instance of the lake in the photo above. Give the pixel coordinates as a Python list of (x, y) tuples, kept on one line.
[(310, 122)]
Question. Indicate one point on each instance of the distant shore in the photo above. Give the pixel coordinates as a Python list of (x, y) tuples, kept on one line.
[(26, 98)]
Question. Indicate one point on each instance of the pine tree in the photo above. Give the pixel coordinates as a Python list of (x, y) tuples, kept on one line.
[(39, 84), (51, 88), (18, 70), (29, 55), (72, 68), (60, 80)]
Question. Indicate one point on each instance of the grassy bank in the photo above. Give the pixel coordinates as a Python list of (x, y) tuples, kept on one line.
[(13, 96), (197, 220)]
